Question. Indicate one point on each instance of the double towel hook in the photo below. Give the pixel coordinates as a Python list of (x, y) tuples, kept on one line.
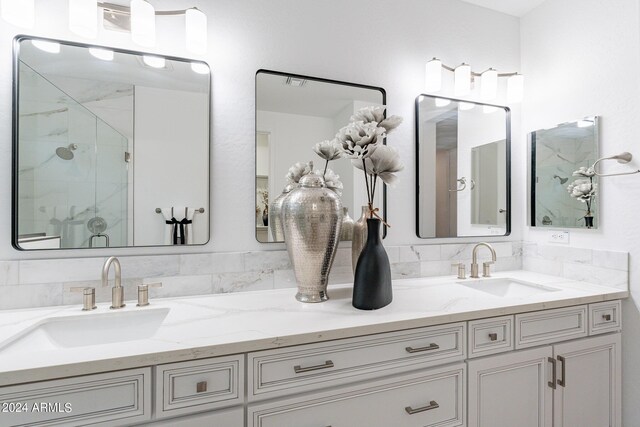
[(463, 183)]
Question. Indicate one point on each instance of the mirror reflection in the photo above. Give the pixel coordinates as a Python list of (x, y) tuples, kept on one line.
[(111, 148), (556, 156), (463, 151), (293, 113)]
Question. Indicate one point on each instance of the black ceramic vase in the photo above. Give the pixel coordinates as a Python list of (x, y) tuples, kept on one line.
[(372, 283)]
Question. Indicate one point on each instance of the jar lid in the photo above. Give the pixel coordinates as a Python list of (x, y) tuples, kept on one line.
[(312, 180)]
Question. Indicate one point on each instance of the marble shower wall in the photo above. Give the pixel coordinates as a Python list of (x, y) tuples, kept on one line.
[(36, 283)]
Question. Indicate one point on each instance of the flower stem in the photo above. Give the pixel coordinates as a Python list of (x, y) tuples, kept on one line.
[(366, 183), (374, 178), (326, 165)]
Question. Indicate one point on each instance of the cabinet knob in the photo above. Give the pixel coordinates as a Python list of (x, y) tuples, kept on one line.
[(606, 317), (201, 387), (493, 336)]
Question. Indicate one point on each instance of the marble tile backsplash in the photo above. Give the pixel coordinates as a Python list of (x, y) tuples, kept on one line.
[(35, 283), (596, 266)]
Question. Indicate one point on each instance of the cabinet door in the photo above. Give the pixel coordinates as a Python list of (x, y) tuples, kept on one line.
[(589, 377), (511, 390)]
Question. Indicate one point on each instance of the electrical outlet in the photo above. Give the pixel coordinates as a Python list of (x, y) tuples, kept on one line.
[(557, 236)]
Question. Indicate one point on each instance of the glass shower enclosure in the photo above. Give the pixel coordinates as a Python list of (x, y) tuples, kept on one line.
[(73, 169)]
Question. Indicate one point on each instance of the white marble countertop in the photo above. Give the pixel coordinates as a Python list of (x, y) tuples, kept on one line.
[(222, 324)]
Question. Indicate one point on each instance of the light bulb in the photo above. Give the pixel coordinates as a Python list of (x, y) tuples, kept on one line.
[(20, 13), (196, 31), (143, 23), (104, 54), (442, 102), (433, 76), (154, 61), (200, 68), (462, 80), (51, 47), (515, 88), (466, 106), (489, 84), (83, 18)]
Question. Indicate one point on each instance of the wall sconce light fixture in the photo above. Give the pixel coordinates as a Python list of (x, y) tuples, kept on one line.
[(139, 18), (463, 76)]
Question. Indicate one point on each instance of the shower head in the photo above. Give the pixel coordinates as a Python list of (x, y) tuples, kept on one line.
[(66, 153), (562, 180)]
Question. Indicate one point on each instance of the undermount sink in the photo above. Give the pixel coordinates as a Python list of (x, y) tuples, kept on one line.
[(506, 287), (87, 330)]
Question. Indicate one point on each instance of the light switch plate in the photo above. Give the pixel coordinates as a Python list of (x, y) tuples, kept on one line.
[(558, 236)]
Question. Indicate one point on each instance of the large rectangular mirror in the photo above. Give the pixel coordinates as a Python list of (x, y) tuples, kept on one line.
[(555, 158), (463, 168), (293, 113), (111, 148)]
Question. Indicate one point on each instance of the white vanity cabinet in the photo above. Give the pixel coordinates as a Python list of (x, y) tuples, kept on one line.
[(576, 383)]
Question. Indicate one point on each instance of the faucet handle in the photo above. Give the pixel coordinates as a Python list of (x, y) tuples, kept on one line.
[(88, 296), (143, 293), (461, 270), (486, 268)]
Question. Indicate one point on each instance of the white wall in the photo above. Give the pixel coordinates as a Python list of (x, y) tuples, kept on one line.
[(306, 37), (171, 162), (581, 58)]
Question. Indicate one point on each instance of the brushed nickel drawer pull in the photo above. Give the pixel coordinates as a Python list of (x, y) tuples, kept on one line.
[(563, 371), (554, 374), (432, 405), (432, 346), (606, 317), (493, 336), (298, 369), (201, 387)]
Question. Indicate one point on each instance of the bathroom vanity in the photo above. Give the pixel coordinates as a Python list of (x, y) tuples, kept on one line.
[(518, 349)]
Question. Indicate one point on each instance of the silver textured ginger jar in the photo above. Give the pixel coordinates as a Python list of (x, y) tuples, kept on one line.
[(275, 219), (312, 220)]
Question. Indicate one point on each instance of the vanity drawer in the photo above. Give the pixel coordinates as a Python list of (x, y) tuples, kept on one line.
[(490, 336), (605, 317), (550, 326), (309, 367), (424, 399), (110, 399), (199, 385)]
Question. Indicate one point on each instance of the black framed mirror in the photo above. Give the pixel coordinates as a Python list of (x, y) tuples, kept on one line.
[(110, 147), (463, 176), (293, 113)]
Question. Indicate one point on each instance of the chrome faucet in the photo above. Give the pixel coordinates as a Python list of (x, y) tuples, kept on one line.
[(486, 266), (117, 292)]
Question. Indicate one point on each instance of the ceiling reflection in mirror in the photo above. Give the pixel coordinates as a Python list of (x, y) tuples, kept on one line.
[(293, 113), (111, 148), (556, 156), (463, 177)]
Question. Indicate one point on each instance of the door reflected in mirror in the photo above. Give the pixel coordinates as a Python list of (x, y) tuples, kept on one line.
[(463, 154), (111, 148), (293, 113), (555, 154)]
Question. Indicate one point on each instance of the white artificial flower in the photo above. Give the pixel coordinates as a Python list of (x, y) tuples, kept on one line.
[(586, 172), (359, 140), (332, 181), (384, 162), (582, 189), (375, 114), (297, 171), (328, 150)]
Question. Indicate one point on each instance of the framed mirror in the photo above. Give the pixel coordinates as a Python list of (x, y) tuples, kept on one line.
[(293, 113), (463, 152), (555, 157), (110, 147)]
